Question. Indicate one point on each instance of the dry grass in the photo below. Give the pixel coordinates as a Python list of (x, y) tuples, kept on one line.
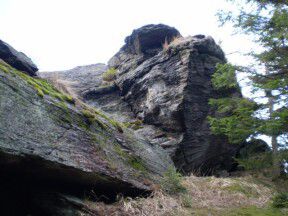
[(61, 85), (156, 205), (64, 86), (226, 192), (203, 193), (175, 41), (109, 75), (165, 45)]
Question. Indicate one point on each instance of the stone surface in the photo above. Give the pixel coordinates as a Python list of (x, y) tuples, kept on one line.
[(17, 59), (252, 148), (49, 145), (167, 88), (79, 78), (171, 91)]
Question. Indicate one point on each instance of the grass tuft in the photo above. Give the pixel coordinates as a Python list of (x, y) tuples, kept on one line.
[(172, 182), (135, 125), (4, 67), (280, 200), (109, 75)]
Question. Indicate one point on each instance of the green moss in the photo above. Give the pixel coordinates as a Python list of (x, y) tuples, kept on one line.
[(120, 151), (92, 113), (101, 124), (133, 160), (40, 93), (116, 124), (62, 105), (136, 163), (244, 189), (135, 125), (113, 122), (92, 118), (43, 87), (89, 115), (109, 75), (4, 68)]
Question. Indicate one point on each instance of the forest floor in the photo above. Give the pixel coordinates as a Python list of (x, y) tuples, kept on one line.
[(207, 196)]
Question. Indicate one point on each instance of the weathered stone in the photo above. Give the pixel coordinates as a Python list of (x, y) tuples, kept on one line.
[(171, 91), (252, 148), (149, 39), (17, 59), (79, 78), (49, 144)]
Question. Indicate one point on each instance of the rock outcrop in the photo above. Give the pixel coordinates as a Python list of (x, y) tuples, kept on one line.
[(17, 59), (162, 89), (51, 144)]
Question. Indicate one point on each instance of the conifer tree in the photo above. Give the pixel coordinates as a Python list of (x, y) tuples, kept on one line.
[(267, 22)]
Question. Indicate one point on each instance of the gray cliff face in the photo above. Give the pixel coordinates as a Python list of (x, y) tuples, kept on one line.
[(50, 143), (17, 59), (166, 89), (171, 91)]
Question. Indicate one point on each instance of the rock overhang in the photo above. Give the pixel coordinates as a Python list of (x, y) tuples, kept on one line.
[(17, 59), (150, 39)]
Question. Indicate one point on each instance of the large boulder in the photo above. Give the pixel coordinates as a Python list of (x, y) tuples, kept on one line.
[(252, 148), (51, 143), (17, 59), (161, 90), (170, 91)]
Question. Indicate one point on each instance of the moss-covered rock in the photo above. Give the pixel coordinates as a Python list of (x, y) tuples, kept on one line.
[(46, 138)]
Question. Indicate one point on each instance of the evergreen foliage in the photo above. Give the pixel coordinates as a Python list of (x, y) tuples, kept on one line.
[(234, 115), (267, 22)]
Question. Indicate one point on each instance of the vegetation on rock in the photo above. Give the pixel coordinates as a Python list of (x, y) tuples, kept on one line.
[(109, 75)]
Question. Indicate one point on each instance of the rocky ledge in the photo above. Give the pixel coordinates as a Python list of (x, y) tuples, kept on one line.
[(52, 145)]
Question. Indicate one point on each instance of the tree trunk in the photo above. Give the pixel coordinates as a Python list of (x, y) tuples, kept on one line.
[(276, 162), (274, 143)]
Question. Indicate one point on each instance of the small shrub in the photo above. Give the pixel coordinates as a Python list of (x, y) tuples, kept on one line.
[(186, 201), (256, 162), (172, 182), (135, 125), (280, 200), (137, 163), (109, 75)]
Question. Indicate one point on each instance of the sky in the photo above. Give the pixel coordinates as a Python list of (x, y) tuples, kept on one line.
[(62, 34)]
